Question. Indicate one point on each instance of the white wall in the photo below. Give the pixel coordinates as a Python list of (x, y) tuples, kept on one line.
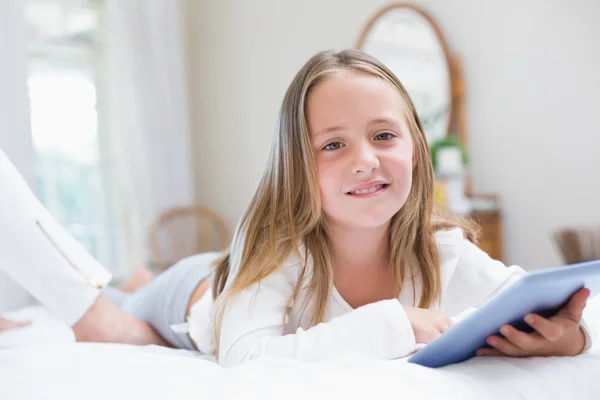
[(531, 74)]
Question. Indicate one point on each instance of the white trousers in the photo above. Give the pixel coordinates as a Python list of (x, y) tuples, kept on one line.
[(40, 255)]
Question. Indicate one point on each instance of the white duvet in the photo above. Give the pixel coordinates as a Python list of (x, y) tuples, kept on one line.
[(43, 362)]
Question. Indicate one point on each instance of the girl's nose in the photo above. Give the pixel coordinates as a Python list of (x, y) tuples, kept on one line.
[(365, 160)]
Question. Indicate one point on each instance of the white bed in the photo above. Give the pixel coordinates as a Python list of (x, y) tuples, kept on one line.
[(42, 361)]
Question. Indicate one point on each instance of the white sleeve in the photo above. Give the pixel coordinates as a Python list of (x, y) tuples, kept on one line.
[(478, 279), (252, 327), (590, 322)]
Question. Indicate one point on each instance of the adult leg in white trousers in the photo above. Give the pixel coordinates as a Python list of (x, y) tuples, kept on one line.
[(42, 257)]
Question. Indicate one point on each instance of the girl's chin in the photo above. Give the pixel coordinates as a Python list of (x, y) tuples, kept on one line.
[(362, 222)]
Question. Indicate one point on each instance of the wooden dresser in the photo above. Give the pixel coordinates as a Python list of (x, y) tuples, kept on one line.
[(490, 234)]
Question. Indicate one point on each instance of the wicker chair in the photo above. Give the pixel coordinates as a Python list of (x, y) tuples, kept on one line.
[(578, 244), (180, 232)]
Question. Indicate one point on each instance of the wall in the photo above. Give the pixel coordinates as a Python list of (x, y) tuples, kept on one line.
[(530, 69)]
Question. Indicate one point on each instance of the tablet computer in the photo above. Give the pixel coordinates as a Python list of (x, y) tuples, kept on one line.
[(541, 292)]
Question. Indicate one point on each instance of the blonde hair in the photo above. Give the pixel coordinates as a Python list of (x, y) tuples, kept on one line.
[(287, 206)]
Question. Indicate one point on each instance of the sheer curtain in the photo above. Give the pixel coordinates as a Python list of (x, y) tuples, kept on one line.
[(151, 113), (15, 131)]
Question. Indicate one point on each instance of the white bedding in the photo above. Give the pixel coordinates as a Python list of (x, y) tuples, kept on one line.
[(42, 361)]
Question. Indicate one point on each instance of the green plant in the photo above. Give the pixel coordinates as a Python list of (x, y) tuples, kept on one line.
[(445, 142)]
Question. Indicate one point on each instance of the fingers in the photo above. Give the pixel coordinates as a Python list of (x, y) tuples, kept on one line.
[(520, 344), (6, 324), (505, 346), (449, 321), (441, 324), (444, 322), (490, 353), (427, 324), (429, 336), (574, 308), (526, 342), (548, 329)]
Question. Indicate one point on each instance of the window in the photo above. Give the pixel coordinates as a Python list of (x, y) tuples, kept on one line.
[(65, 56)]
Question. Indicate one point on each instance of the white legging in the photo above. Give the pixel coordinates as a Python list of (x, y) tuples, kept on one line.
[(40, 255)]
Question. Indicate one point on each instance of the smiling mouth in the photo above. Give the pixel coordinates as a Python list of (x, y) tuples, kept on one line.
[(370, 190)]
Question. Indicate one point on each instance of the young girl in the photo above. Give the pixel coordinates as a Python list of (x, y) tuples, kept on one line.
[(340, 252)]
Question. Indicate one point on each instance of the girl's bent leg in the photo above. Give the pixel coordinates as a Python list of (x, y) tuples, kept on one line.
[(105, 322), (165, 301)]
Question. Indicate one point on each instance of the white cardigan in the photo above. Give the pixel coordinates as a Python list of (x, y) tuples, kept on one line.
[(252, 323)]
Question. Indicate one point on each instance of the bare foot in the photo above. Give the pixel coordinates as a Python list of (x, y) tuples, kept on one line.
[(104, 322), (138, 278), (7, 324)]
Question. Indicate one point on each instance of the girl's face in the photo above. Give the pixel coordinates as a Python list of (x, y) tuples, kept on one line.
[(363, 149)]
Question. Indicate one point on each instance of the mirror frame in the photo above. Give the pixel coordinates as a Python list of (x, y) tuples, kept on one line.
[(456, 87)]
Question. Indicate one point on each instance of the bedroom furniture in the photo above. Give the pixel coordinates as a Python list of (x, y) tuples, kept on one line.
[(578, 244), (183, 231)]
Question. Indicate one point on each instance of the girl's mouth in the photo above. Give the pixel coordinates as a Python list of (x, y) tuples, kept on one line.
[(375, 189)]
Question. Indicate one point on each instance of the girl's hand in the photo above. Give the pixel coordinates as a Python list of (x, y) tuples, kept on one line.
[(560, 335), (6, 324), (427, 324)]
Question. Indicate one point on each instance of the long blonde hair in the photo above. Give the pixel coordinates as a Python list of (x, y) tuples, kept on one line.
[(286, 207)]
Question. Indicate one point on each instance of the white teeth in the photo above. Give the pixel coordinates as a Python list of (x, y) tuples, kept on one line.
[(372, 189)]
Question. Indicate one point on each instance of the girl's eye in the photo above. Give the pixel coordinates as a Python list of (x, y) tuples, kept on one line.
[(384, 136), (333, 146)]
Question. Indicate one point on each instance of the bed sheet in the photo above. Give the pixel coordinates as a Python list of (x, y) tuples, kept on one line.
[(44, 362)]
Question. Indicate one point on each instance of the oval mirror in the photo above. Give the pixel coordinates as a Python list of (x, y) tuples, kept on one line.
[(410, 44)]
